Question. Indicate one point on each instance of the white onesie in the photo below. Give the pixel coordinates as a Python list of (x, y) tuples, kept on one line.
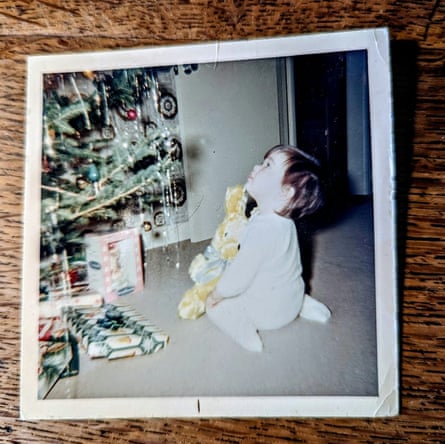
[(262, 287)]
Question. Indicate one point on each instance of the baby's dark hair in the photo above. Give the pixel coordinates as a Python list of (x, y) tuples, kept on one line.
[(302, 175)]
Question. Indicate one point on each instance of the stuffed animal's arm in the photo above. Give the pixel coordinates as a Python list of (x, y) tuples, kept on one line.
[(207, 266)]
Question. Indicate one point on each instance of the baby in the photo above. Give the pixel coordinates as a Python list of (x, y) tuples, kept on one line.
[(263, 288)]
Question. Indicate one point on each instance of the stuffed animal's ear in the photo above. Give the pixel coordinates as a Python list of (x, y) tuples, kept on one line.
[(239, 199), (243, 200), (234, 195)]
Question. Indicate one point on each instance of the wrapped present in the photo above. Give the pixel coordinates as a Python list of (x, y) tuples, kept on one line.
[(114, 331), (58, 353), (52, 329), (54, 357), (114, 263)]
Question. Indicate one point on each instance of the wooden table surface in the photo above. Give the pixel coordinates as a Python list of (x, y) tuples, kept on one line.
[(417, 32)]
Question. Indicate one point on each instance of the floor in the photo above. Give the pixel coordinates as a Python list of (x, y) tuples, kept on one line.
[(304, 358)]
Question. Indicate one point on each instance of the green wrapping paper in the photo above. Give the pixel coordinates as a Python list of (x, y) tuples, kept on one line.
[(114, 331)]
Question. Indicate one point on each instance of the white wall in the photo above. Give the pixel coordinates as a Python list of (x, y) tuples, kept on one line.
[(229, 116)]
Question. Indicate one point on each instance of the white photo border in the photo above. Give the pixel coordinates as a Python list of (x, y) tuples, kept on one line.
[(376, 43)]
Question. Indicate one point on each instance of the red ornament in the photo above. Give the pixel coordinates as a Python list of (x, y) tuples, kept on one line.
[(73, 276), (132, 114)]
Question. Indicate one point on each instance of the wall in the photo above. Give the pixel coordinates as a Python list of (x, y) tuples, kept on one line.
[(229, 117)]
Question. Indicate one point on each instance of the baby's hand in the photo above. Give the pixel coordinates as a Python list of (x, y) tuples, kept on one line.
[(213, 299)]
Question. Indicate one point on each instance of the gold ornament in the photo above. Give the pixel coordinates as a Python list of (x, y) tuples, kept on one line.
[(89, 74)]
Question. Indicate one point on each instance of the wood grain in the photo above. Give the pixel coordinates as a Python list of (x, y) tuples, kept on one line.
[(417, 30)]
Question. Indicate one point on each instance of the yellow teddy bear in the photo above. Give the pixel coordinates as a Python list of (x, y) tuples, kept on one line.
[(206, 268)]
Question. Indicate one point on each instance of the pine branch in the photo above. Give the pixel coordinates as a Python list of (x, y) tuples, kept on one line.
[(152, 175), (67, 151), (59, 190), (108, 202), (58, 117)]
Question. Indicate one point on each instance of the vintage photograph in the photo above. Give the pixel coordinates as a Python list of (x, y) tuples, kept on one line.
[(209, 231)]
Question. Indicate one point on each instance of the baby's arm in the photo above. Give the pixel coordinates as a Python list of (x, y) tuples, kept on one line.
[(239, 274), (213, 299)]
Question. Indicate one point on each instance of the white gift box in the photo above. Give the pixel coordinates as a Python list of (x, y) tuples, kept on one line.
[(114, 263)]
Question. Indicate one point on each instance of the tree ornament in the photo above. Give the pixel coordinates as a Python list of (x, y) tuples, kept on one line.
[(168, 106), (189, 68), (107, 130), (132, 114), (178, 192), (90, 75), (174, 149), (159, 218), (93, 177), (46, 166), (93, 173), (147, 226), (81, 182)]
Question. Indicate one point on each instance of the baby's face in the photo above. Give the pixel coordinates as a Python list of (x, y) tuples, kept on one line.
[(264, 183)]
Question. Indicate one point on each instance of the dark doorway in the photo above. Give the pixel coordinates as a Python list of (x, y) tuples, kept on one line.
[(320, 102)]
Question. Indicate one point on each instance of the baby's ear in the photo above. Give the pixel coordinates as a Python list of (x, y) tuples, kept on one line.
[(288, 192)]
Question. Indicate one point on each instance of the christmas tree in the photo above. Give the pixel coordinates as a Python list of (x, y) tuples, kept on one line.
[(110, 146)]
